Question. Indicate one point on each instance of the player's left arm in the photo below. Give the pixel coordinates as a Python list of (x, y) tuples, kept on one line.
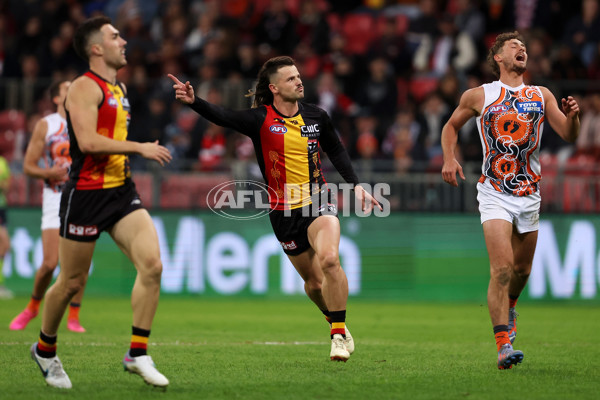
[(340, 159), (566, 121)]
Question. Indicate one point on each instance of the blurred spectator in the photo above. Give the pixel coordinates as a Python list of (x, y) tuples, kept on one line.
[(378, 95), (312, 27), (394, 47), (588, 141), (212, 149), (276, 28), (426, 23), (449, 49), (404, 143), (567, 65), (198, 37), (449, 89), (469, 19), (582, 32), (247, 61), (539, 66), (433, 115)]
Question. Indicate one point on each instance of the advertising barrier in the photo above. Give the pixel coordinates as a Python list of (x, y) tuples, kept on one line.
[(407, 257)]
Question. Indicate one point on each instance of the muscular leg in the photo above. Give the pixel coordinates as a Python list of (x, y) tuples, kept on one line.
[(523, 245), (498, 238), (136, 237), (324, 237), (307, 265), (75, 263), (43, 276)]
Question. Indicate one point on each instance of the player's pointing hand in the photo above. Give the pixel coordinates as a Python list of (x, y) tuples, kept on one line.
[(184, 92)]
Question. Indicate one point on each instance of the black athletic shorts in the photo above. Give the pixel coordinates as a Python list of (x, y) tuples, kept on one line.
[(84, 214), (291, 226), (3, 219)]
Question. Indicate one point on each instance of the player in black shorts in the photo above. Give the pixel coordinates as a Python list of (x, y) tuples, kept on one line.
[(287, 135), (100, 196)]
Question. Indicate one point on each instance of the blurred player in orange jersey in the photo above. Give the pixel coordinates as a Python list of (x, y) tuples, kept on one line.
[(510, 117), (50, 142)]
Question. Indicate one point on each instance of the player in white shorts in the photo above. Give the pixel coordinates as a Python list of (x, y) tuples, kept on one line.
[(50, 143), (510, 118)]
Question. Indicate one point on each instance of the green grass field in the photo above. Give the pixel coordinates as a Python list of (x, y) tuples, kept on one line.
[(278, 349)]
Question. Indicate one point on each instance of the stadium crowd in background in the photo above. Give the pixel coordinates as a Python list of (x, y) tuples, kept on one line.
[(388, 72)]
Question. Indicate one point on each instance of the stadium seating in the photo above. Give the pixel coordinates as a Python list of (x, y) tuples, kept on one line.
[(358, 30), (188, 190), (420, 87)]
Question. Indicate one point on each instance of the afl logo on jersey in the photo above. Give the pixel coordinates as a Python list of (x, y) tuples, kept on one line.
[(278, 129), (498, 108), (112, 102)]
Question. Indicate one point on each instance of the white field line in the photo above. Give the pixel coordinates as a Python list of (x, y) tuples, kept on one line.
[(176, 343)]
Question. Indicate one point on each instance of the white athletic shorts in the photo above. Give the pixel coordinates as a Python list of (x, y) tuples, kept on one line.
[(522, 212), (50, 206)]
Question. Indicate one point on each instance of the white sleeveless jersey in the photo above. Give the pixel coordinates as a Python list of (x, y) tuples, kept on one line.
[(57, 146), (510, 128)]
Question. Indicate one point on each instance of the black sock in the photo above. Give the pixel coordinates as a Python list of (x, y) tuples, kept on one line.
[(139, 342), (46, 346)]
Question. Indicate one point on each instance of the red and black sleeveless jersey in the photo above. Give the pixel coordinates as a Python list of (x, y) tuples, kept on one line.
[(103, 171), (287, 148)]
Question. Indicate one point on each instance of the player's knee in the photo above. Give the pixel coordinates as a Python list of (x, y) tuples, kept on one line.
[(74, 285), (153, 268), (313, 286), (522, 270), (501, 274), (49, 264), (329, 260)]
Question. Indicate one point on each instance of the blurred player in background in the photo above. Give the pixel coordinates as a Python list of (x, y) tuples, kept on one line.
[(5, 293), (287, 135), (510, 118), (100, 196), (50, 142)]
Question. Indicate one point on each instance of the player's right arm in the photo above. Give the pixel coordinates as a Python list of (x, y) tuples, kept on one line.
[(35, 151), (82, 102), (247, 122), (470, 103)]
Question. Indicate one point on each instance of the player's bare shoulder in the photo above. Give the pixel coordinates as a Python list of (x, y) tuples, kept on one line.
[(84, 90), (473, 99), (547, 95)]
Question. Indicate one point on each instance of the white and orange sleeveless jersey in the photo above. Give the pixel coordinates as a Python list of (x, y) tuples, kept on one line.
[(56, 151), (510, 128)]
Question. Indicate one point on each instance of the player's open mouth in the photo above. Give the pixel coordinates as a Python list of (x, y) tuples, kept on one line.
[(520, 57)]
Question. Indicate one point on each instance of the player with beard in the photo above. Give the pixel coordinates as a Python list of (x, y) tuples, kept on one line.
[(510, 117), (101, 196)]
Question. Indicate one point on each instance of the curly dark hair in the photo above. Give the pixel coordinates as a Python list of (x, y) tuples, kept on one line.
[(81, 40), (497, 47), (262, 94)]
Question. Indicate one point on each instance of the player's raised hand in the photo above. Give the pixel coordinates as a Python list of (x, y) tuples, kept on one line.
[(184, 92), (449, 171), (570, 107), (156, 152)]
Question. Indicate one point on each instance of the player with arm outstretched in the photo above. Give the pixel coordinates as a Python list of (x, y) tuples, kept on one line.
[(287, 135)]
